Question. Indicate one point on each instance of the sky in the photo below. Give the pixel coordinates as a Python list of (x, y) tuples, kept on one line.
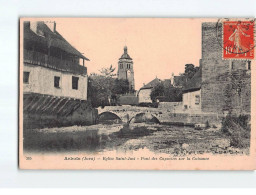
[(158, 46)]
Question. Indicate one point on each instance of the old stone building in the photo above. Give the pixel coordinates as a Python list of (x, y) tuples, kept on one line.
[(125, 69), (145, 91), (54, 82), (226, 84), (191, 97)]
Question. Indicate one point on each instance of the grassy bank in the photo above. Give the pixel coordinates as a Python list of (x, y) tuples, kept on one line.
[(238, 129)]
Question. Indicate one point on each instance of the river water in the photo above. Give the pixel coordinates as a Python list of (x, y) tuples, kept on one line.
[(103, 138)]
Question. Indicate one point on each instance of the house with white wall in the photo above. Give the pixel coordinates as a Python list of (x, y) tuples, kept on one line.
[(145, 91), (53, 74), (191, 97)]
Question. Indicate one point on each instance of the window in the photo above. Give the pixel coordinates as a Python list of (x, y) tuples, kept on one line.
[(26, 77), (232, 65), (121, 66), (57, 82), (249, 65), (197, 99), (128, 66), (74, 82)]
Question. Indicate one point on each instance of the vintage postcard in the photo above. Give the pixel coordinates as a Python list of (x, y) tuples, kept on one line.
[(137, 93)]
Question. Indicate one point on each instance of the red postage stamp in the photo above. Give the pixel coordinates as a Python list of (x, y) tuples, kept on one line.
[(238, 40)]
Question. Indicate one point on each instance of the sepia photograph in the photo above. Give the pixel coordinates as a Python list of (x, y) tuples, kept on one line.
[(136, 93)]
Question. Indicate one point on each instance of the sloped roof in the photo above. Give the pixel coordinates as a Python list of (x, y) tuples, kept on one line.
[(179, 80), (55, 38), (167, 83), (125, 54), (152, 84), (194, 83)]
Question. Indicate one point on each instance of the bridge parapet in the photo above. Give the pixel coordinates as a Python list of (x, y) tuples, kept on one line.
[(126, 113)]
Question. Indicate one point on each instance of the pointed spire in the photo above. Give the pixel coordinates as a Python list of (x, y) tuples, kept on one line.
[(125, 49)]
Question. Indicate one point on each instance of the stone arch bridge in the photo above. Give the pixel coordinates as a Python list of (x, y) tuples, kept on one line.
[(126, 113), (163, 115)]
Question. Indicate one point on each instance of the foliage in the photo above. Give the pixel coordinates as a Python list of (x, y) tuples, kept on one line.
[(190, 70), (173, 94), (102, 89), (127, 132), (166, 93), (238, 129), (121, 86), (157, 91), (148, 104), (170, 93), (233, 89), (108, 72), (99, 89)]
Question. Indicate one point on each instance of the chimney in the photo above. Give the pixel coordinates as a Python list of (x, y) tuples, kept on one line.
[(33, 26), (51, 25)]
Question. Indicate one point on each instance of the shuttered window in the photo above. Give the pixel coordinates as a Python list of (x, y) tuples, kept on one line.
[(26, 77), (57, 82), (197, 99), (75, 82)]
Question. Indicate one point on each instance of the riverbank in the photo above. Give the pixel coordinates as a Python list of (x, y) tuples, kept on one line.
[(158, 138)]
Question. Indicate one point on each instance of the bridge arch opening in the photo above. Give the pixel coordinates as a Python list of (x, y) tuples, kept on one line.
[(144, 118), (108, 118)]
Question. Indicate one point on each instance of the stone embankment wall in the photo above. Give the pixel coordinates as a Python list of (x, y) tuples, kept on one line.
[(189, 119), (41, 111), (170, 105)]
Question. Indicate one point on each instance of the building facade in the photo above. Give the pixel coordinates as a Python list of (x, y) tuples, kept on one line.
[(125, 69), (191, 100), (145, 91), (54, 81), (226, 84), (51, 64)]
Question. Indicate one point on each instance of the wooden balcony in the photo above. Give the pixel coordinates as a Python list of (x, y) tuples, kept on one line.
[(36, 58)]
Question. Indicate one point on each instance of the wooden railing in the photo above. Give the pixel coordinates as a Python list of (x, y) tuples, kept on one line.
[(36, 58)]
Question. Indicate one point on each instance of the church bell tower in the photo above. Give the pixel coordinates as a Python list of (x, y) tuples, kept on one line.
[(125, 69)]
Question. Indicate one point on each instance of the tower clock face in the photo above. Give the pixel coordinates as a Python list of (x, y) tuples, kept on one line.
[(128, 73)]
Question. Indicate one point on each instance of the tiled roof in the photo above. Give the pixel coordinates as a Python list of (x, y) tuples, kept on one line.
[(194, 83), (152, 84), (56, 39), (179, 80), (167, 83)]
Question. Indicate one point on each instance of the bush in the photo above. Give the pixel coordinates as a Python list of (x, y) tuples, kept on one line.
[(238, 129), (127, 132), (148, 104)]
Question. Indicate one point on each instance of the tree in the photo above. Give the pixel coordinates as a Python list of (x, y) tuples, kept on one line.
[(173, 94), (105, 90), (190, 70), (108, 72), (99, 89), (121, 86), (157, 91), (166, 93)]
